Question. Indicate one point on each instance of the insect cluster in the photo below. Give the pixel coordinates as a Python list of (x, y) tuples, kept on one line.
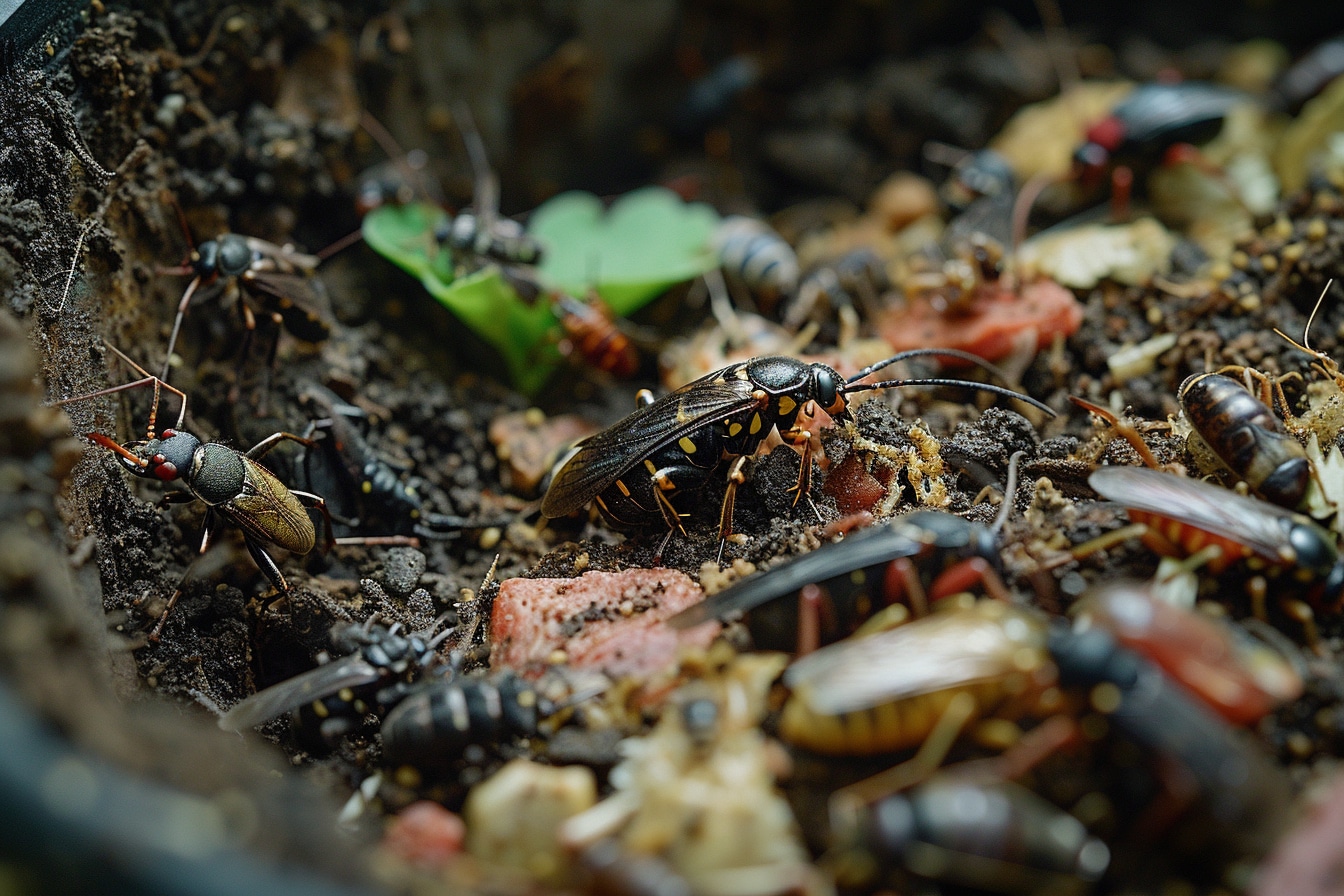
[(948, 555)]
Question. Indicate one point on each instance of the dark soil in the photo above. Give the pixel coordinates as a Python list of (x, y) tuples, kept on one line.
[(244, 117)]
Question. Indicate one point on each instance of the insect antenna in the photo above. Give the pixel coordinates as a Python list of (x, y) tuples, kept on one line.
[(1326, 365), (147, 378), (931, 352), (486, 190), (852, 384), (960, 384)]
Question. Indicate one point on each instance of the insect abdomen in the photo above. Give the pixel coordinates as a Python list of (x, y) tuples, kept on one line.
[(895, 725), (1189, 539)]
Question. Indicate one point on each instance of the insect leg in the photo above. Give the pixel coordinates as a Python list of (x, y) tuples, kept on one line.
[(961, 576), (735, 478), (259, 450), (903, 578), (177, 323), (266, 563)]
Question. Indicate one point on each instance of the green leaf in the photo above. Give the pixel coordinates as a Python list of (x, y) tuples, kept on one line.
[(404, 235), (524, 334), (631, 253), (647, 241)]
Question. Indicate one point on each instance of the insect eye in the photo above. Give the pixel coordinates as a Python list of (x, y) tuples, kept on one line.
[(827, 388), (162, 469), (1312, 551)]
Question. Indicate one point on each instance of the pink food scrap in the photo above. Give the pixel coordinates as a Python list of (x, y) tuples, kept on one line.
[(608, 621), (991, 326), (425, 834)]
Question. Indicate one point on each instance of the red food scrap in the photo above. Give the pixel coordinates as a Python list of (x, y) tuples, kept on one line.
[(990, 327), (425, 834), (855, 487), (600, 620)]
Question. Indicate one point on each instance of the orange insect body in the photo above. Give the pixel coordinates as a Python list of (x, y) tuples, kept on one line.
[(593, 334), (1174, 538)]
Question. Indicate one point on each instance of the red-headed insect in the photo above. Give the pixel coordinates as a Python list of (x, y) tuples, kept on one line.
[(233, 485), (1151, 120), (1238, 678)]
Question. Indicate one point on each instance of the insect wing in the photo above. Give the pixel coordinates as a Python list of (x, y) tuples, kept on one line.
[(1156, 111), (297, 298), (1259, 525), (348, 672), (270, 257), (880, 544), (269, 511), (946, 650), (601, 459)]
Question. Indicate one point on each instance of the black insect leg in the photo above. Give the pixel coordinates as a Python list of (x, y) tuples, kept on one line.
[(249, 333), (266, 563), (272, 355)]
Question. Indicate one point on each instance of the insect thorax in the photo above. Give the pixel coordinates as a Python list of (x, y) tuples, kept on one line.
[(218, 473)]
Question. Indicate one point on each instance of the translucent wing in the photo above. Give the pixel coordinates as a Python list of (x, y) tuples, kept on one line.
[(946, 650), (599, 460), (1259, 525), (278, 258), (879, 544), (348, 672)]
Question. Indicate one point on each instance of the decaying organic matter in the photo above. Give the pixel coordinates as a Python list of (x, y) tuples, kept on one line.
[(518, 672)]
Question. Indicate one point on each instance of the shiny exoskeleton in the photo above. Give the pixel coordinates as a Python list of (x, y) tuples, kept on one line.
[(332, 698), (478, 235), (886, 691), (635, 468), (472, 237), (593, 335), (1236, 676), (858, 576), (1309, 75), (996, 836), (1185, 515), (1151, 119), (432, 726), (234, 487), (1247, 437), (231, 483), (1236, 781), (752, 253), (380, 492), (278, 279)]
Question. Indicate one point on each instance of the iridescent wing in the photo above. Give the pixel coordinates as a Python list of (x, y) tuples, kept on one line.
[(945, 650), (348, 672), (1259, 525), (601, 459)]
